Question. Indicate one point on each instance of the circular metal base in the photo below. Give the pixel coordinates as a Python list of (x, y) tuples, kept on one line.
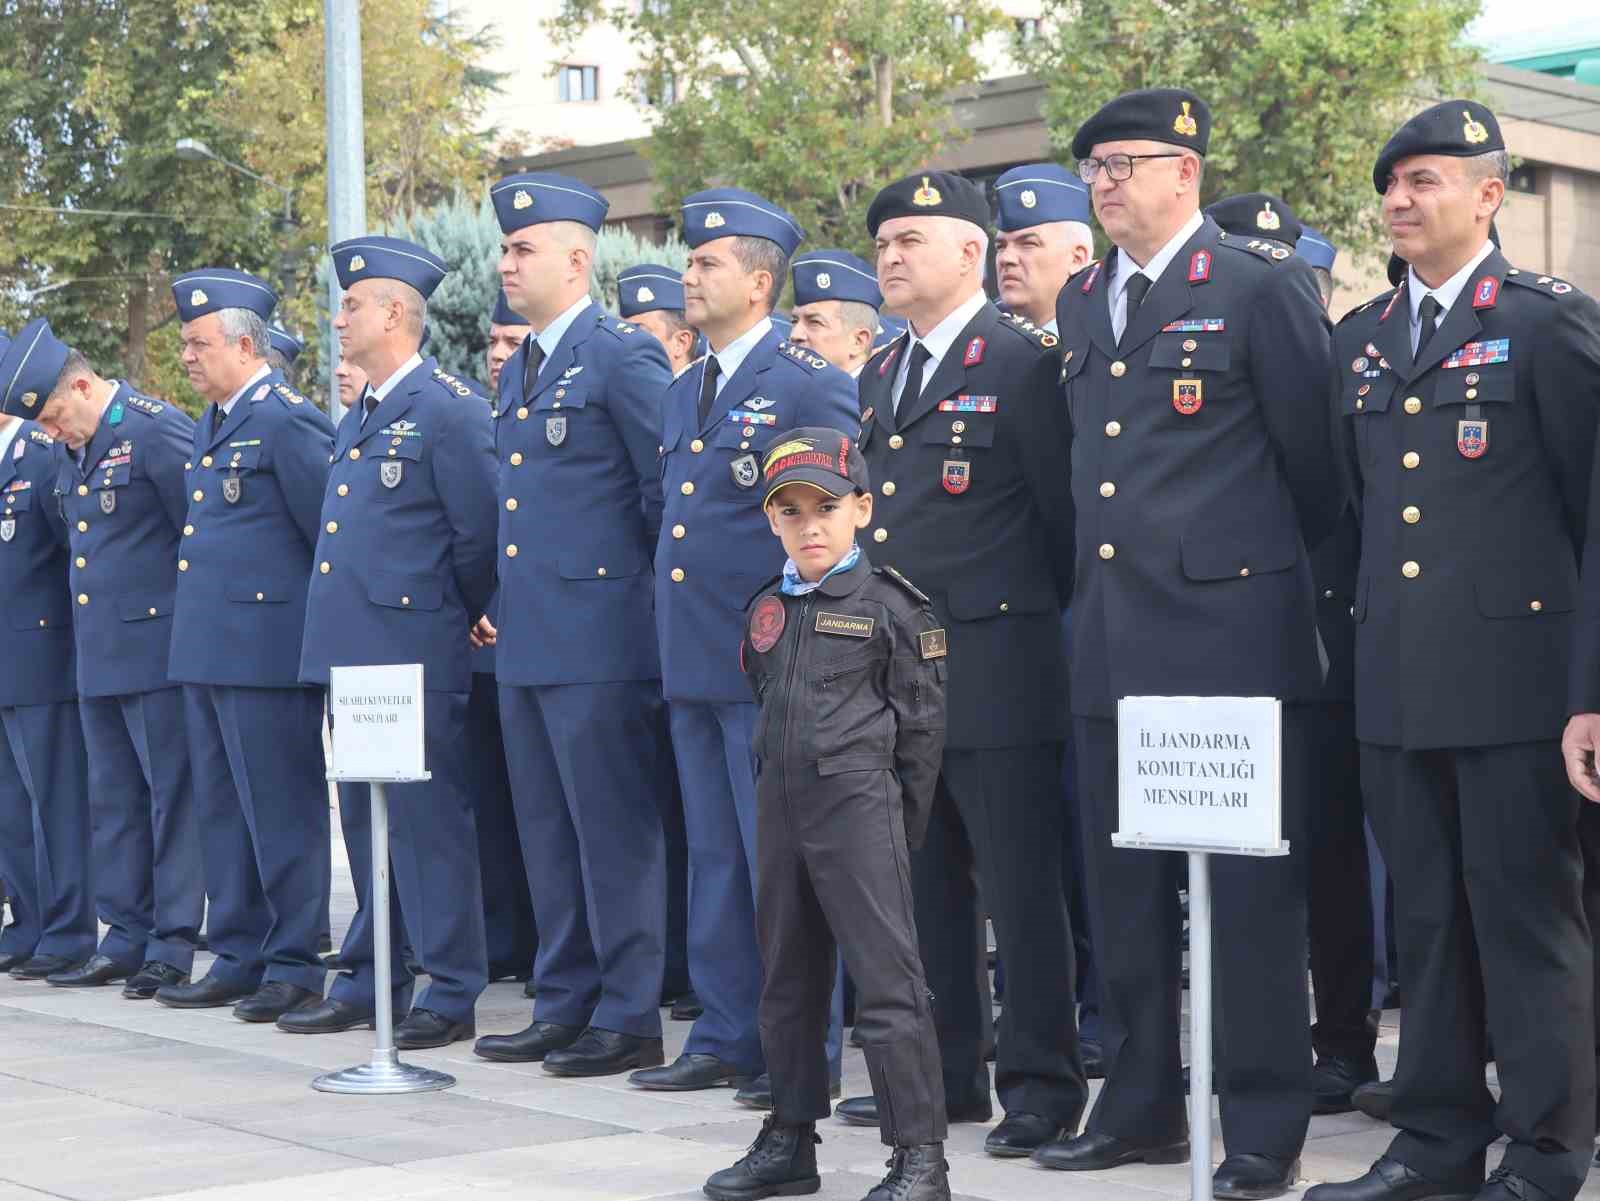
[(384, 1075)]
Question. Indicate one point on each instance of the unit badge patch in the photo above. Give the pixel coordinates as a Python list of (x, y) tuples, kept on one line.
[(1187, 396), (1472, 439), (391, 472), (555, 429), (957, 476)]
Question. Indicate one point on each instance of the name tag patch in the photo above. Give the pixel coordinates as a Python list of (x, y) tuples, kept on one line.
[(843, 623), (970, 404), (1479, 354)]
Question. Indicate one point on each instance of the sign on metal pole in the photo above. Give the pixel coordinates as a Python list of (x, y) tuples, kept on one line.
[(375, 718), (1201, 775)]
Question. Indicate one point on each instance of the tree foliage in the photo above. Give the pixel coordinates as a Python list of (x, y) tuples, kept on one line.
[(1302, 92), (814, 106)]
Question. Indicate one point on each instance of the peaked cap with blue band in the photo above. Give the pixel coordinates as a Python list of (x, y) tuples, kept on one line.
[(29, 368), (209, 289), (535, 197), (835, 275), (1038, 193), (504, 314), (285, 343), (375, 257), (1315, 248), (647, 288), (733, 212)]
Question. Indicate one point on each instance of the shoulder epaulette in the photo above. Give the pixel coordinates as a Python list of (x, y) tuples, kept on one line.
[(144, 404), (1263, 248), (1034, 334), (1363, 307), (617, 325), (754, 596), (41, 437), (451, 382), (1548, 284), (287, 394), (894, 575), (1091, 265), (801, 355)]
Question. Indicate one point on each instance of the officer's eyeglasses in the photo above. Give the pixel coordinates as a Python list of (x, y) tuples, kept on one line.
[(1118, 166)]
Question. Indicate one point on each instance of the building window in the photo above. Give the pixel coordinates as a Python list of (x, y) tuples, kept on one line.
[(1027, 29), (1523, 179), (654, 8), (664, 93), (958, 23), (579, 83)]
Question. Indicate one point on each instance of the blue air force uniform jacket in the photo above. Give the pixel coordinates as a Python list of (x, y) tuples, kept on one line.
[(1474, 473), (255, 496), (405, 558), (1202, 471), (125, 506), (716, 548), (33, 575), (579, 495)]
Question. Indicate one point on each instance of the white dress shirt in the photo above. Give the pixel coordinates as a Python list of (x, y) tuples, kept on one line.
[(1126, 269), (938, 340), (732, 356), (1446, 293)]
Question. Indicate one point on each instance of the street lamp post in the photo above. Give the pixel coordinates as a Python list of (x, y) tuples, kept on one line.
[(193, 150)]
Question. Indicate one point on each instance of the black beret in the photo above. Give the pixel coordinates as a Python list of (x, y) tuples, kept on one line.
[(1463, 128), (1170, 115), (931, 194), (1256, 215)]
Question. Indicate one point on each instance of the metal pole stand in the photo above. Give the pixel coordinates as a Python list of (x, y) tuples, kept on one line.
[(385, 1074), (1199, 1026)]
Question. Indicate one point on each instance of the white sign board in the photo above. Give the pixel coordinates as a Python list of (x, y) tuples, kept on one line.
[(1200, 773), (375, 720)]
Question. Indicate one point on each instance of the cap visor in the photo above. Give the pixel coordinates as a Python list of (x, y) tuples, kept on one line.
[(825, 482)]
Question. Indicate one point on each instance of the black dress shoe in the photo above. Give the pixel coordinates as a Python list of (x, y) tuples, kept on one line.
[(604, 1053), (782, 1162), (855, 1037), (1254, 1177), (11, 959), (915, 1174), (1094, 1059), (41, 966), (1094, 1152), (423, 1028), (272, 1000), (205, 993), (526, 1046), (151, 979), (863, 1111), (1506, 1184), (91, 973), (1019, 1134), (687, 1008), (690, 1072), (1390, 1180), (758, 1093), (326, 1017), (1337, 1076), (1375, 1099)]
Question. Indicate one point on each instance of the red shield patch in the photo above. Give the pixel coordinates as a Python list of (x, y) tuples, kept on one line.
[(974, 354), (766, 623), (1200, 267), (1472, 439), (957, 476), (1486, 293), (887, 359), (1187, 396)]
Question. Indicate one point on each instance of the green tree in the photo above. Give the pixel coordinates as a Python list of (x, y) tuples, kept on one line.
[(1302, 92), (815, 106)]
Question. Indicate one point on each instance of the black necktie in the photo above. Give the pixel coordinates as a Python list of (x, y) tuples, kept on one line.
[(368, 403), (530, 367), (1134, 294), (217, 418), (1428, 318), (913, 385), (708, 387)]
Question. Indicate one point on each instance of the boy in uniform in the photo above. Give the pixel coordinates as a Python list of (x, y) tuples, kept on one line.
[(847, 665)]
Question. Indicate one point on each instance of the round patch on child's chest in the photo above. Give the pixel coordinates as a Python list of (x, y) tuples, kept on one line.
[(766, 623)]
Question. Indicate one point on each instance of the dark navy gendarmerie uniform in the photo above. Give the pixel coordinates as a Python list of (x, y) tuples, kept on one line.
[(972, 504), (714, 550), (577, 433), (256, 474), (849, 679), (122, 497), (1202, 470), (44, 788), (404, 564), (1473, 459)]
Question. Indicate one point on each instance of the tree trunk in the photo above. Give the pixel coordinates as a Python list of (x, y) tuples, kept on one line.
[(138, 327), (883, 77)]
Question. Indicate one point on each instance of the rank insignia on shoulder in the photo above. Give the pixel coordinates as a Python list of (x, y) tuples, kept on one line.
[(844, 623), (145, 405), (969, 404), (934, 644), (41, 437), (801, 355), (1200, 267), (289, 394), (974, 353), (451, 382)]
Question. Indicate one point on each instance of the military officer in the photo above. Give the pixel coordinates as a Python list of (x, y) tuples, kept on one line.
[(651, 297), (256, 474), (1468, 397), (1314, 247), (960, 432), (1042, 238), (714, 551), (890, 327), (404, 563), (283, 349), (1340, 898), (836, 301), (507, 329), (577, 429), (44, 788), (121, 489), (1201, 472)]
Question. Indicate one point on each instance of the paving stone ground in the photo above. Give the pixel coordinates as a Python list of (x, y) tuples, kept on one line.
[(103, 1099)]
